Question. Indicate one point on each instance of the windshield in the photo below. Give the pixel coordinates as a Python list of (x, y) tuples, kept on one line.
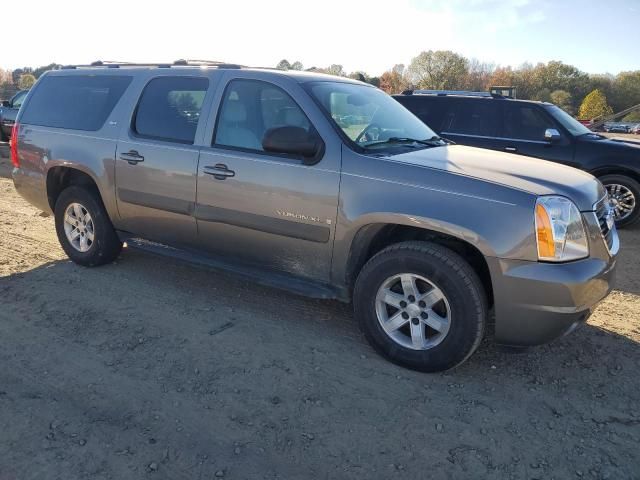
[(370, 118), (567, 121), (16, 102)]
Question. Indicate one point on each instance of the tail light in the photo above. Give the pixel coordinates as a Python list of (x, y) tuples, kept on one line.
[(13, 144)]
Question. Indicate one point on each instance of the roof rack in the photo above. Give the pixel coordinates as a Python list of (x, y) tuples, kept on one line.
[(177, 63), (444, 93)]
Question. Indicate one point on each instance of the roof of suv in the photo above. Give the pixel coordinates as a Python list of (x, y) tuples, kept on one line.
[(463, 94), (186, 66)]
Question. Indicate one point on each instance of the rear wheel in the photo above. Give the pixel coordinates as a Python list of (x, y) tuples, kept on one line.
[(624, 193), (421, 305), (84, 229)]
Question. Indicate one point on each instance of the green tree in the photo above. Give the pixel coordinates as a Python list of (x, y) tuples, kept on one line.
[(19, 72), (594, 105), (297, 66), (563, 99), (542, 95), (632, 117), (26, 81), (360, 76), (335, 69), (40, 70), (7, 90), (626, 91), (283, 65), (441, 69)]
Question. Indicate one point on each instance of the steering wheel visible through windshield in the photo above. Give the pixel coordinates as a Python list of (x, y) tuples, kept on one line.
[(370, 118)]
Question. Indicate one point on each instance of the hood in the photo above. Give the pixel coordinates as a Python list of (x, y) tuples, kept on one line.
[(538, 177), (627, 144)]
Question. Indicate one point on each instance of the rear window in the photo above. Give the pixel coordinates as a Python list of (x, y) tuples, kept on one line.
[(76, 102), (169, 108)]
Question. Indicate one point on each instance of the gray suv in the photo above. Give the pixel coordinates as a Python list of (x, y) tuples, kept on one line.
[(324, 186)]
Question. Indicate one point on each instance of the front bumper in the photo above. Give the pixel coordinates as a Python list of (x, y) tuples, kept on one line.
[(537, 302)]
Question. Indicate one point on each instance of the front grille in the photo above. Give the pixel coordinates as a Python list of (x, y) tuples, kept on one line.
[(603, 211)]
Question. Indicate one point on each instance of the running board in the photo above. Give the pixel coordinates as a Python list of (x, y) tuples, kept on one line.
[(281, 281)]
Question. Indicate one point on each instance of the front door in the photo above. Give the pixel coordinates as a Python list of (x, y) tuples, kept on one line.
[(157, 161), (266, 210), (523, 132)]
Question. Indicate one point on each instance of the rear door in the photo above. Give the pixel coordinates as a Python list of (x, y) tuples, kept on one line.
[(157, 160), (473, 121), (264, 210)]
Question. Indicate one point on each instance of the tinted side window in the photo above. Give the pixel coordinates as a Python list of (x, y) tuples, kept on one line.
[(169, 108), (429, 110), (77, 102), (473, 117), (526, 122), (251, 107)]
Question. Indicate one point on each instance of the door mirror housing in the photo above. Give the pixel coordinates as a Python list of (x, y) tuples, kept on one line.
[(292, 141), (6, 103), (551, 135)]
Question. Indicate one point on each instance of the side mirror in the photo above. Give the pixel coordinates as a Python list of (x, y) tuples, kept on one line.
[(292, 141), (551, 135), (6, 103)]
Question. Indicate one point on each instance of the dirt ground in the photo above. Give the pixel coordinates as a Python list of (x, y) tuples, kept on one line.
[(150, 368)]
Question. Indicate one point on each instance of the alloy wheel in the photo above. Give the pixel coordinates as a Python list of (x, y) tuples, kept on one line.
[(413, 311), (79, 227), (622, 199)]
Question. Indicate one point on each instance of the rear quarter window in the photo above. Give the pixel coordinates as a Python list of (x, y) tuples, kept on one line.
[(75, 102)]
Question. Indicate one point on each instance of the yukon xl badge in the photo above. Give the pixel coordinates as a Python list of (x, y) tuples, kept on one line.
[(300, 216)]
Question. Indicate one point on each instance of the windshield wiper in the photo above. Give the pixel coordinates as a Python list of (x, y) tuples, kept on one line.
[(434, 141)]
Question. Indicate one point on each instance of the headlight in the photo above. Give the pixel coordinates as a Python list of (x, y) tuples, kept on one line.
[(560, 233)]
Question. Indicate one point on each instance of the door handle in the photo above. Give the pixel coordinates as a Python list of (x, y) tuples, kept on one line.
[(510, 149), (219, 171), (132, 156)]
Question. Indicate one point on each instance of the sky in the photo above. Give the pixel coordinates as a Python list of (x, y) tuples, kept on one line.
[(370, 35)]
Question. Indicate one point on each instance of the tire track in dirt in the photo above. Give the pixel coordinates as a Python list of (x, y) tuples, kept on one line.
[(264, 383)]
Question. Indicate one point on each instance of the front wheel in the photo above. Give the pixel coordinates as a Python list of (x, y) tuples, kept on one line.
[(421, 305), (624, 193), (84, 228)]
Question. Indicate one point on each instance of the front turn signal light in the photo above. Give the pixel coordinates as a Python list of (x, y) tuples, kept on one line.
[(544, 234)]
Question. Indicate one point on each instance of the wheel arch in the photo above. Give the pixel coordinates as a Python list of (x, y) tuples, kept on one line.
[(60, 177), (615, 170), (373, 238)]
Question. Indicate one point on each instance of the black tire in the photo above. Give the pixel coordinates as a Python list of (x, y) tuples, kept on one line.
[(452, 275), (3, 137), (634, 187), (106, 245)]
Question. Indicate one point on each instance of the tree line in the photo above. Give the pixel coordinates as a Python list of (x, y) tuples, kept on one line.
[(582, 94)]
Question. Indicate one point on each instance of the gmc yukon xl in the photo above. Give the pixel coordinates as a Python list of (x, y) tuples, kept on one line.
[(324, 186)]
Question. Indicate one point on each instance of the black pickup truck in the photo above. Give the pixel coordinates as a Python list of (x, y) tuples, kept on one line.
[(8, 113)]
